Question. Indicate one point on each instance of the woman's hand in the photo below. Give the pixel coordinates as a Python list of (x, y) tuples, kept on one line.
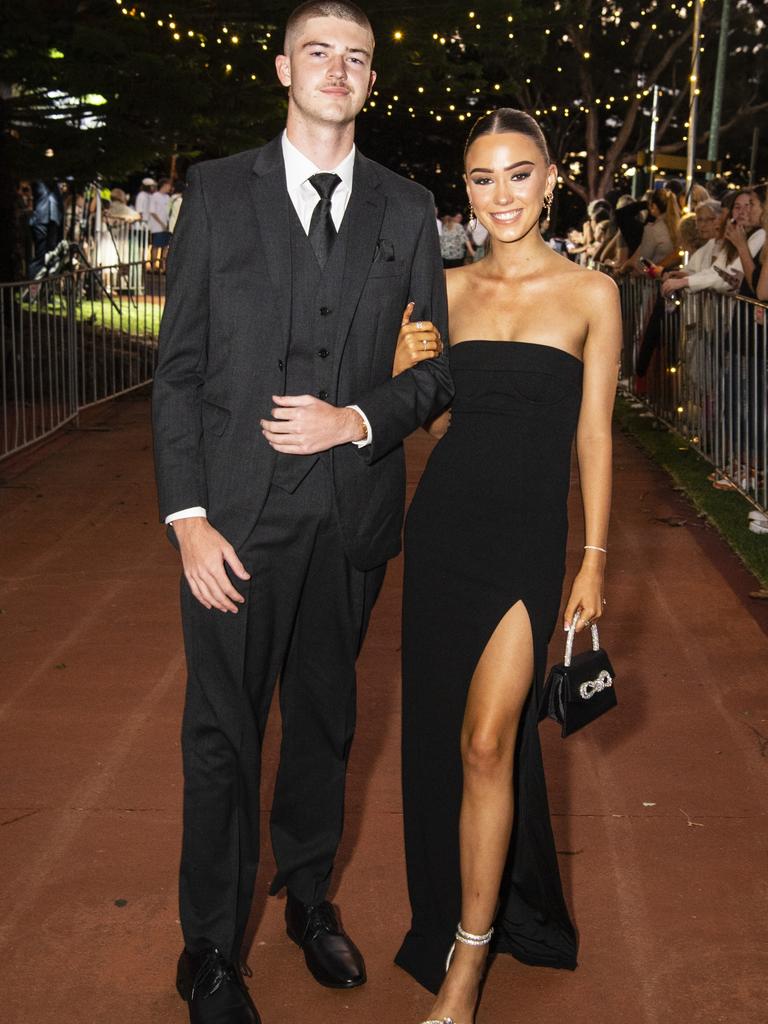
[(587, 592), (415, 342), (674, 284), (736, 235)]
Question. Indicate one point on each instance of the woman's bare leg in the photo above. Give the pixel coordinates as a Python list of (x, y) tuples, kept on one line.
[(496, 697)]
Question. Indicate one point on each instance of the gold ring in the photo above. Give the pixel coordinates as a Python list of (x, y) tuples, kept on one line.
[(425, 343)]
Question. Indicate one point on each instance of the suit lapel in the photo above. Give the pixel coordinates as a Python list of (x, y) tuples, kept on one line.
[(270, 200), (365, 213)]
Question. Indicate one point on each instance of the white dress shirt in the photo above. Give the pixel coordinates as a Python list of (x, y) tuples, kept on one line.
[(298, 170)]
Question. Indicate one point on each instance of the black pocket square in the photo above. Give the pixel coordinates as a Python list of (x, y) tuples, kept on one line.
[(385, 251)]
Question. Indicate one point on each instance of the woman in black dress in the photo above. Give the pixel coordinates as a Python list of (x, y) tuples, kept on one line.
[(534, 354)]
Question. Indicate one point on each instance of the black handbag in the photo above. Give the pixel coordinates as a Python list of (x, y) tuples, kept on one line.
[(581, 688)]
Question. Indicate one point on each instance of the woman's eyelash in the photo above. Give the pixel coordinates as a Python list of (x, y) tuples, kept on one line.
[(522, 176)]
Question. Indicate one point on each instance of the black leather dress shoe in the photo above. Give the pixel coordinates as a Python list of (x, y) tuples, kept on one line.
[(331, 956), (214, 989)]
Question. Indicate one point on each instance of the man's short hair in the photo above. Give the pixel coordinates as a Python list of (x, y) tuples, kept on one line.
[(343, 9)]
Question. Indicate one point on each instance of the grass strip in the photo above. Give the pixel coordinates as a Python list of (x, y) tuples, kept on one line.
[(726, 511)]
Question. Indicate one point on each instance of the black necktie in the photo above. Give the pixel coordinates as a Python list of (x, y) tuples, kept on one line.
[(322, 230)]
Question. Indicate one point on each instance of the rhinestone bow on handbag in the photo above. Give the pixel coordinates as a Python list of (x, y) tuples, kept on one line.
[(581, 688)]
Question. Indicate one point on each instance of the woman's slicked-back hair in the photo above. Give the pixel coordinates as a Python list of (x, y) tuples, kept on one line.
[(343, 9), (507, 119)]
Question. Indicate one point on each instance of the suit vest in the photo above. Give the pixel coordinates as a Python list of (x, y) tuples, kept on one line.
[(311, 359)]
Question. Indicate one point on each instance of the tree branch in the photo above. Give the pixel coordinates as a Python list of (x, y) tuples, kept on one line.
[(574, 186), (740, 115)]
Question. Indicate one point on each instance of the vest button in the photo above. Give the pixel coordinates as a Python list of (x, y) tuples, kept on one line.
[(323, 353), (280, 364), (322, 395), (325, 311)]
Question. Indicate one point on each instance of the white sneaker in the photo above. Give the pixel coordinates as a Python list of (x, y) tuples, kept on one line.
[(759, 517), (758, 527)]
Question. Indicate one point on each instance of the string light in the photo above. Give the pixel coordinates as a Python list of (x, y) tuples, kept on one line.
[(441, 101)]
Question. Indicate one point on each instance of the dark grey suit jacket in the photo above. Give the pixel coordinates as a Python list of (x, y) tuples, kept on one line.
[(225, 335)]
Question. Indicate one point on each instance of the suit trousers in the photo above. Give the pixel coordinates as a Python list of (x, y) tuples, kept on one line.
[(304, 619)]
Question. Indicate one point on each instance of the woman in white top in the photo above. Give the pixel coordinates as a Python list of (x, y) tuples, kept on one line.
[(709, 222), (724, 262), (761, 284)]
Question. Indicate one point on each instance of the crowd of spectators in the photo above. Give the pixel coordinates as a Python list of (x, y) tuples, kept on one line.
[(706, 240), (99, 222), (712, 240)]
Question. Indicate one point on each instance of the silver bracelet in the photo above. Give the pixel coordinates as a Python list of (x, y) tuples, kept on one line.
[(594, 547)]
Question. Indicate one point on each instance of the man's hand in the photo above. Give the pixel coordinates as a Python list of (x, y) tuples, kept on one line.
[(203, 554), (303, 425)]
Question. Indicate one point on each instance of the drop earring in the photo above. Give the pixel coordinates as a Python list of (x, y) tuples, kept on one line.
[(472, 225), (548, 198)]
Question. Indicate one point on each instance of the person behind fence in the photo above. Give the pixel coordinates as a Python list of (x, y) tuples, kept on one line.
[(745, 232), (761, 278), (159, 208), (586, 240), (658, 250), (280, 469), (604, 229), (478, 239), (659, 243), (454, 242), (22, 246), (720, 266), (616, 250), (45, 223), (484, 548), (143, 196), (119, 211), (177, 197), (710, 218), (688, 235)]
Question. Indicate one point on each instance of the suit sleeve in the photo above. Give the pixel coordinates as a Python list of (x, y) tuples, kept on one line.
[(176, 393), (398, 406)]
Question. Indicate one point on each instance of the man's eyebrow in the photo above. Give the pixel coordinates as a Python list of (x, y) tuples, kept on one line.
[(520, 163), (329, 46)]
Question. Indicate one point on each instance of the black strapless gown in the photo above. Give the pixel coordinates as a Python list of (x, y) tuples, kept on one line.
[(487, 528)]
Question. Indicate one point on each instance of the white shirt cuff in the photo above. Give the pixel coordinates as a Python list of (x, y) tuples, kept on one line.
[(369, 433), (186, 513)]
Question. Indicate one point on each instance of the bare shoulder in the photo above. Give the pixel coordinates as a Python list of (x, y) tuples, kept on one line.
[(593, 292), (458, 280)]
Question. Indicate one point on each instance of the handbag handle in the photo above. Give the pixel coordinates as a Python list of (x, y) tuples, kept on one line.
[(572, 634)]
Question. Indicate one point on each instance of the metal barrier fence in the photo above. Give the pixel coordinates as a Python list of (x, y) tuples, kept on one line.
[(70, 341), (699, 364), (117, 242)]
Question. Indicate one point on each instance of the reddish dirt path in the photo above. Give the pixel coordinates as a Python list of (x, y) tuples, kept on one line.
[(660, 809)]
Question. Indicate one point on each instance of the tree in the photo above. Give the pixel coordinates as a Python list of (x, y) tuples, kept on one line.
[(109, 87), (585, 69)]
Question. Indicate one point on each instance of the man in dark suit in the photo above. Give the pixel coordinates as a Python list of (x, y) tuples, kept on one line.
[(278, 445)]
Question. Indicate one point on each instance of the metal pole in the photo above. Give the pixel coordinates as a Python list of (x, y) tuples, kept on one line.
[(717, 93), (693, 108), (654, 122), (753, 160)]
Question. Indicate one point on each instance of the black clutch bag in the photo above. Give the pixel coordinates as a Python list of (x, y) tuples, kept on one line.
[(581, 688)]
